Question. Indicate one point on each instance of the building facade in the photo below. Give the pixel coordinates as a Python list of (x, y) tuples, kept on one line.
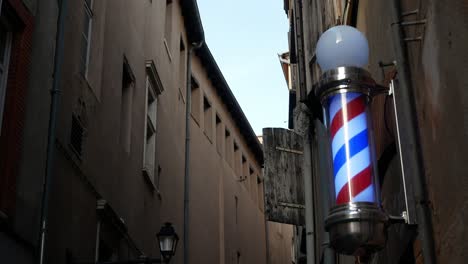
[(120, 146), (16, 30), (426, 59)]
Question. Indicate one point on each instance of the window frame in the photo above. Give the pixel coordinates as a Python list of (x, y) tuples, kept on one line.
[(208, 118), (154, 88), (127, 105), (76, 123), (149, 167), (168, 23), (195, 101), (88, 14), (219, 134), (6, 64)]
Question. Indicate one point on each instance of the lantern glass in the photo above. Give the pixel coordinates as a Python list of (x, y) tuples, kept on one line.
[(166, 244), (353, 163), (167, 241)]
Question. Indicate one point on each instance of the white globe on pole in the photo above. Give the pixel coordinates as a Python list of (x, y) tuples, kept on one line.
[(342, 46)]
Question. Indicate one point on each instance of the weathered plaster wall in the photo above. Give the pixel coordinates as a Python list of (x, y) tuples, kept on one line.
[(438, 63)]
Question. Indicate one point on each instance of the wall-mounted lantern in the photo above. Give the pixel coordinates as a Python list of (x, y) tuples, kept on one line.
[(356, 222), (168, 239)]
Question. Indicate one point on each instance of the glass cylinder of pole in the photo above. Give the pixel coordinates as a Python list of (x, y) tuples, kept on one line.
[(353, 165), (356, 221)]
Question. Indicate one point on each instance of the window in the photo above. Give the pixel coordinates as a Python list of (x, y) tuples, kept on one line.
[(182, 65), (128, 83), (106, 252), (228, 147), (195, 101), (168, 25), (244, 176), (237, 160), (86, 36), (112, 244), (5, 45), (236, 200), (208, 118), (253, 184), (260, 196), (219, 135), (76, 136), (153, 89), (150, 138)]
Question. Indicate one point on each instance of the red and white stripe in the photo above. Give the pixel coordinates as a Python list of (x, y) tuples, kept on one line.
[(352, 164)]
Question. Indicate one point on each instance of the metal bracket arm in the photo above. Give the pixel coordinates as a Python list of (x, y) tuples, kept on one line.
[(398, 219), (132, 261)]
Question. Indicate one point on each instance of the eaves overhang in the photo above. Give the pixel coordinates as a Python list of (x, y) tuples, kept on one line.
[(192, 21)]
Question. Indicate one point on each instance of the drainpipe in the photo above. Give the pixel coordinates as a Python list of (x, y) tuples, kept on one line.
[(267, 241), (321, 167), (409, 138), (299, 23), (188, 107), (308, 174), (54, 105), (98, 241), (305, 125)]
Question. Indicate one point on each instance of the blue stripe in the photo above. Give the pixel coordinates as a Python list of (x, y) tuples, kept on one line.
[(356, 144)]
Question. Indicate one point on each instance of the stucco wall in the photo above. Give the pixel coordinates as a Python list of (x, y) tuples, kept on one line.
[(135, 29), (437, 63), (280, 248)]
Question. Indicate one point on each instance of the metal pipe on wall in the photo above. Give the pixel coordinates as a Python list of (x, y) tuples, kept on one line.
[(188, 108), (267, 241), (308, 174), (410, 141), (54, 105), (299, 24), (304, 123), (98, 241), (321, 165)]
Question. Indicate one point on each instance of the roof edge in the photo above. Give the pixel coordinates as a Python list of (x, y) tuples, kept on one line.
[(228, 98), (192, 21)]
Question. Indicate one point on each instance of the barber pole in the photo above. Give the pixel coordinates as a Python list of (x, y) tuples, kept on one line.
[(356, 222), (352, 166)]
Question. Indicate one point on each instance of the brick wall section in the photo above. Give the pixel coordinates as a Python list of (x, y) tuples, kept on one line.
[(12, 126)]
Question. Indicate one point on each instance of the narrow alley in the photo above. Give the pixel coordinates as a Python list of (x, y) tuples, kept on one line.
[(233, 132)]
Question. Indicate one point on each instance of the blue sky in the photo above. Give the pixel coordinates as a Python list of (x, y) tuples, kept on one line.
[(245, 37)]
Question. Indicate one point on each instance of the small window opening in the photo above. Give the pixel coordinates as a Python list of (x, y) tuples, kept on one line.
[(76, 136), (219, 135), (208, 118)]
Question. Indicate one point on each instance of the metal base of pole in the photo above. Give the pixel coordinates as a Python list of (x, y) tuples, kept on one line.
[(357, 229)]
